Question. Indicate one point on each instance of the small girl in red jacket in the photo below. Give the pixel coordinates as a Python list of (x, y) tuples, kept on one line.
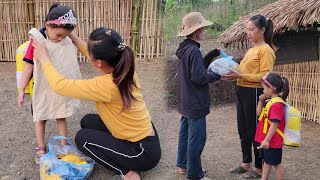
[(274, 86)]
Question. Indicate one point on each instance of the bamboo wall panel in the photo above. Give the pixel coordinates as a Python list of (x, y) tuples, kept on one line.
[(18, 19), (304, 79), (151, 43), (14, 22)]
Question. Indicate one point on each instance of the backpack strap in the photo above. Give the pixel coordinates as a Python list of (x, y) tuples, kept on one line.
[(36, 34), (277, 130), (266, 113)]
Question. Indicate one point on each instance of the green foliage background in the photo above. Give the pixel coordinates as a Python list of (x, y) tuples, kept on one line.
[(221, 12)]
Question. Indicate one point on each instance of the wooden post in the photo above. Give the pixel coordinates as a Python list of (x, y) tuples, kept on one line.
[(30, 4), (319, 45), (135, 22), (318, 89)]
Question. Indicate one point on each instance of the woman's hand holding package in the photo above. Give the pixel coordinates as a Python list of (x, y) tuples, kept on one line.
[(232, 75), (40, 52)]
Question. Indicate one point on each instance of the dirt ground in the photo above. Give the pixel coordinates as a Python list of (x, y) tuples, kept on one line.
[(222, 150)]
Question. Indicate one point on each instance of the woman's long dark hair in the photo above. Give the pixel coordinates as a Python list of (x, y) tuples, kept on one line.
[(280, 83), (56, 10), (107, 45), (261, 22)]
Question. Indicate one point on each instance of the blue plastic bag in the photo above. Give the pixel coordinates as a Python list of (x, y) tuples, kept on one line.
[(223, 66), (54, 168)]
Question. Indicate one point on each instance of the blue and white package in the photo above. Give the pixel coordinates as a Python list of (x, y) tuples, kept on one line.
[(224, 65)]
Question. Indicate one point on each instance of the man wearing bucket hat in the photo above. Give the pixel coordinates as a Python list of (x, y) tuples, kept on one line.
[(193, 94)]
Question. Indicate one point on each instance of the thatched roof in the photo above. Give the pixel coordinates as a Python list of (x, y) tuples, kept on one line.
[(285, 14)]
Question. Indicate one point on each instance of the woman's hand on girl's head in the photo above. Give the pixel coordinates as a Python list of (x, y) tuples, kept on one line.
[(73, 37), (40, 52), (232, 75)]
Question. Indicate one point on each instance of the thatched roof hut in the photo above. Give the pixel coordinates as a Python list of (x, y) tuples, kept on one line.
[(297, 35), (287, 15)]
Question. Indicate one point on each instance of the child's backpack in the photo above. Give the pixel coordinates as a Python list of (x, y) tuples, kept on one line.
[(20, 66), (292, 130)]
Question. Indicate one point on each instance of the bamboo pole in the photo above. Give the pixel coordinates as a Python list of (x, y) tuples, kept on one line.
[(114, 17), (94, 8), (318, 90), (151, 35), (31, 12), (121, 30), (118, 16), (154, 32), (128, 23), (81, 23), (2, 26), (147, 30), (8, 29), (122, 19), (159, 40), (142, 29), (103, 13), (14, 29), (135, 22), (109, 14), (6, 49)]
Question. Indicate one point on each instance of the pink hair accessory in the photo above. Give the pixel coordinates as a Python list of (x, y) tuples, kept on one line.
[(265, 81), (68, 18)]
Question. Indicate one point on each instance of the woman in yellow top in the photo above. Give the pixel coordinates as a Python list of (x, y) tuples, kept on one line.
[(258, 61), (121, 136)]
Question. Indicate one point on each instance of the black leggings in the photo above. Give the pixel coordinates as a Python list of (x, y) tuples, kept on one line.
[(247, 99), (122, 156)]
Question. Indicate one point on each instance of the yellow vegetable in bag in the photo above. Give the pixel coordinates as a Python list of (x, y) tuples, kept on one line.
[(72, 158)]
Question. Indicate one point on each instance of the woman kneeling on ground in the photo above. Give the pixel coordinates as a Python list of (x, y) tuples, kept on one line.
[(121, 136)]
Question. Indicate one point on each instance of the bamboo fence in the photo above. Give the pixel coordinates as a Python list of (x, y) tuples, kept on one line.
[(150, 36), (14, 26), (17, 17), (304, 79)]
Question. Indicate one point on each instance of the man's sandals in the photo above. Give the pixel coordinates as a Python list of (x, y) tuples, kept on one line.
[(184, 171), (40, 151)]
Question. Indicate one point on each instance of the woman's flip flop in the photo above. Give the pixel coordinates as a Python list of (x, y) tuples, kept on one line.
[(238, 170), (252, 174)]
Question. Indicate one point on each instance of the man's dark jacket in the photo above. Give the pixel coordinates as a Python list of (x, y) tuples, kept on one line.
[(193, 79)]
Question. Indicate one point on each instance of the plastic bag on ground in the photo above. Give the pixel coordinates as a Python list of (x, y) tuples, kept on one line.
[(64, 161)]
